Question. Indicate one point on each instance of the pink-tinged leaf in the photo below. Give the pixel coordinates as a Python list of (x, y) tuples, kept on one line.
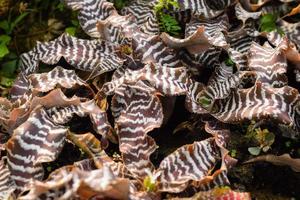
[(55, 98), (141, 113), (26, 87), (36, 141), (196, 43), (291, 52), (211, 27), (215, 29), (117, 29), (219, 193), (285, 159), (248, 5), (72, 183), (57, 77)]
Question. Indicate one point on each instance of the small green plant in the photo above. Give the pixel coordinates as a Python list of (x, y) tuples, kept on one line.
[(263, 137), (165, 4), (267, 23), (233, 153), (229, 62), (167, 22), (7, 26), (149, 182), (119, 4), (71, 30), (4, 41), (9, 59), (204, 101), (60, 6), (74, 28), (8, 68)]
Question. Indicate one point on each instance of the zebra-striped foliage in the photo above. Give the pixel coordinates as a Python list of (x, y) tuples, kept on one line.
[(86, 55), (227, 70)]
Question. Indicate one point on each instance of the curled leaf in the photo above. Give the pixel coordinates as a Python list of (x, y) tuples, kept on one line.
[(284, 159), (36, 141)]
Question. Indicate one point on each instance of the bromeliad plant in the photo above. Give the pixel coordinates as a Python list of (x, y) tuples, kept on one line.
[(146, 65)]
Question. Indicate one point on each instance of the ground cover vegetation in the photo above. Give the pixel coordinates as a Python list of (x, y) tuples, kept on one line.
[(156, 99)]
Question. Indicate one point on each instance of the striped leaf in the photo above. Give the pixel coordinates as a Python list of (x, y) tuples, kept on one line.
[(260, 102), (44, 82), (86, 55), (90, 12), (5, 109), (197, 42), (124, 30), (250, 6), (194, 162), (62, 115), (215, 29), (269, 63), (291, 30), (72, 183), (153, 50), (141, 113), (204, 8), (7, 185), (54, 98), (145, 16), (118, 168), (240, 40), (219, 193), (36, 141), (244, 15), (168, 81)]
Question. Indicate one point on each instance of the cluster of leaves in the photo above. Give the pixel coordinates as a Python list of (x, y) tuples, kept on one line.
[(16, 27), (124, 106), (268, 23), (264, 138), (8, 59), (167, 22), (119, 4), (8, 25)]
